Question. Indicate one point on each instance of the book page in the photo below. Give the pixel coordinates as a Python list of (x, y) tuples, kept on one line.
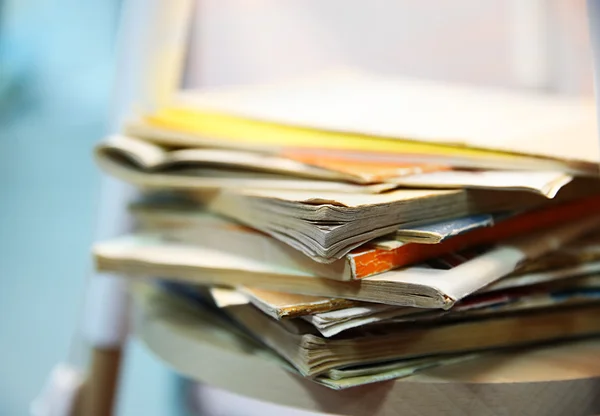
[(347, 200), (146, 155), (411, 109), (154, 157)]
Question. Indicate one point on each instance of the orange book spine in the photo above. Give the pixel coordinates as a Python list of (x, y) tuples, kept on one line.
[(368, 261)]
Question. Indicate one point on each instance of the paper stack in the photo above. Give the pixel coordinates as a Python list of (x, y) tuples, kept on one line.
[(365, 228)]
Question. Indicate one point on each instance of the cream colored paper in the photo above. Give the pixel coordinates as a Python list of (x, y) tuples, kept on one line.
[(527, 123)]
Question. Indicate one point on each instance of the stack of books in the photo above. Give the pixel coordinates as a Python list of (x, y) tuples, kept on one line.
[(365, 228)]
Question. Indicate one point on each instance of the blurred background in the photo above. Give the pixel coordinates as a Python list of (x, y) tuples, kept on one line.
[(57, 71)]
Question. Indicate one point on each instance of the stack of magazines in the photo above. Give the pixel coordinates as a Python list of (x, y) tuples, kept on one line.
[(364, 228)]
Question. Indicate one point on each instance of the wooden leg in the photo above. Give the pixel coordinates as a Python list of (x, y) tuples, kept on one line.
[(100, 388)]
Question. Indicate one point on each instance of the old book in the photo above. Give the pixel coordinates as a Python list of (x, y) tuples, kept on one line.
[(327, 226), (187, 224), (336, 314), (147, 165), (469, 126), (154, 158), (147, 255), (312, 354), (171, 321), (569, 292), (347, 377), (280, 305)]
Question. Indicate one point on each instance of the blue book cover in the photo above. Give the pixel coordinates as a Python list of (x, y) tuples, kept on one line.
[(440, 231)]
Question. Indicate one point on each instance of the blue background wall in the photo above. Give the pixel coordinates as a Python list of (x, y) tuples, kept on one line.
[(56, 62)]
